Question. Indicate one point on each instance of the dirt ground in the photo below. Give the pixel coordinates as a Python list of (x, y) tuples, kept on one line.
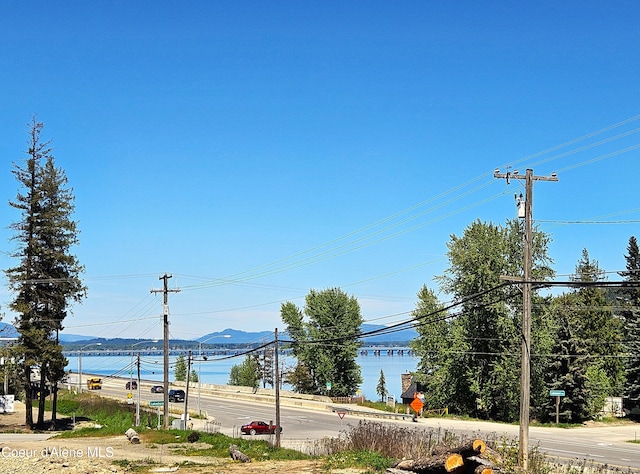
[(107, 455)]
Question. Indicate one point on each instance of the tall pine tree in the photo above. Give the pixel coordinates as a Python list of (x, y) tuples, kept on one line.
[(47, 279), (587, 361), (567, 369), (631, 316)]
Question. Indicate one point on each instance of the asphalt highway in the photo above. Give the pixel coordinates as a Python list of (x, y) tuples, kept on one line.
[(604, 444)]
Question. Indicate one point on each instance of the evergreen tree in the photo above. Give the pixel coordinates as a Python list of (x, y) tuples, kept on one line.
[(326, 343), (567, 369), (381, 388), (246, 374), (587, 361), (46, 281), (631, 316), (597, 324), (193, 378), (180, 371)]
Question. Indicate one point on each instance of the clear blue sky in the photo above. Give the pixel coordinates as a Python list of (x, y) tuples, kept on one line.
[(255, 150)]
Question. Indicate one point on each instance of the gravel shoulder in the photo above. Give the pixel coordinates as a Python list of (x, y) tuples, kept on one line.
[(30, 454)]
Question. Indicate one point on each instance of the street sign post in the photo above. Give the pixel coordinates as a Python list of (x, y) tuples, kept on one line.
[(557, 394), (156, 403)]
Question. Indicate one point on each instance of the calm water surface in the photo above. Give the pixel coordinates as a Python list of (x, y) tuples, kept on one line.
[(217, 371)]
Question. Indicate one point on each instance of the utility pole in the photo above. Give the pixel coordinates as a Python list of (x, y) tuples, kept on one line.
[(138, 386), (277, 381), (186, 396), (165, 312), (525, 358)]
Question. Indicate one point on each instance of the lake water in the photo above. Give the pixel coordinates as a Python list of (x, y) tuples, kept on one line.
[(217, 371)]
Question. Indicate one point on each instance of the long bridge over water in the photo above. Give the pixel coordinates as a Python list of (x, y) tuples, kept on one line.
[(374, 351)]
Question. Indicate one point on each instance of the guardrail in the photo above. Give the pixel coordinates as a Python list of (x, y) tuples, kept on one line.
[(373, 414)]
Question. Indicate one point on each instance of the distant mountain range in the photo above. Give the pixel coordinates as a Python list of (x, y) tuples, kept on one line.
[(7, 331), (381, 335), (231, 336)]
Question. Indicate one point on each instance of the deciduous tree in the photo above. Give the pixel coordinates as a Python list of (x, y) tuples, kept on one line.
[(476, 367), (326, 342), (246, 374)]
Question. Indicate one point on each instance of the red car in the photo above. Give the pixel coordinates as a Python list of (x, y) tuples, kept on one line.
[(259, 427)]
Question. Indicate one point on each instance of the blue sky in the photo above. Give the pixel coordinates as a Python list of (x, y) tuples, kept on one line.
[(255, 150)]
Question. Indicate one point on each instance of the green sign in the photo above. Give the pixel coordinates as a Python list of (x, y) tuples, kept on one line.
[(556, 393), (156, 403)]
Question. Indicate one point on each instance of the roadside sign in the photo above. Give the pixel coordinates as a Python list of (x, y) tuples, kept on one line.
[(417, 405), (341, 414), (556, 393), (156, 403), (328, 385)]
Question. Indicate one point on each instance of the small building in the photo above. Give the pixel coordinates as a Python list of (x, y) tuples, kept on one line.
[(410, 388)]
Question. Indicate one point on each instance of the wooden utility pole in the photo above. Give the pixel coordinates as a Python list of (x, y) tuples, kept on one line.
[(165, 312), (277, 381), (525, 358), (186, 396)]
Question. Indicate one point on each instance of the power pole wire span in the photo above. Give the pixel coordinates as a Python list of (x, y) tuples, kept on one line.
[(165, 312), (525, 360)]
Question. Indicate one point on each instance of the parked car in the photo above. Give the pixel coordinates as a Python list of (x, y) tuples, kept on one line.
[(176, 395), (131, 385), (157, 389), (259, 427)]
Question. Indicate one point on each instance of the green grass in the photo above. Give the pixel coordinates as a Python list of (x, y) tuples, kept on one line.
[(371, 447), (113, 417), (139, 465), (378, 406), (217, 445), (374, 462)]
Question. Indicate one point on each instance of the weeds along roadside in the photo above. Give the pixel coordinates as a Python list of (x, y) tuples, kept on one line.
[(372, 446)]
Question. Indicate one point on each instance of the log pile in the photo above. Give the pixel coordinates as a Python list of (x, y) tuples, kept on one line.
[(470, 458)]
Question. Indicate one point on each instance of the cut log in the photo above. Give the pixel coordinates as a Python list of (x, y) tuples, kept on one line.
[(238, 455), (479, 465), (476, 446), (493, 456), (405, 465), (132, 436), (483, 470), (481, 461), (448, 462)]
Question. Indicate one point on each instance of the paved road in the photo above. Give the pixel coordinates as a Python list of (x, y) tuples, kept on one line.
[(604, 445)]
